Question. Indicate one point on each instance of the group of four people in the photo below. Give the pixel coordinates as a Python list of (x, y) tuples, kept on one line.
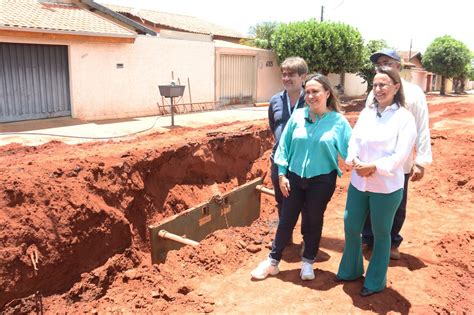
[(308, 141)]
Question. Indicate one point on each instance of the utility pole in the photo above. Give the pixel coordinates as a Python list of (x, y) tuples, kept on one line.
[(409, 53), (322, 13)]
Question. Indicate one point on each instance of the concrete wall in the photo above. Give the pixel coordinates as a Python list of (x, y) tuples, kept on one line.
[(448, 84), (268, 76), (354, 86), (102, 90), (406, 75), (419, 78), (416, 76), (469, 85)]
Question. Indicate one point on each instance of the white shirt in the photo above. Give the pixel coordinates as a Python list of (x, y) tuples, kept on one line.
[(386, 140), (415, 102)]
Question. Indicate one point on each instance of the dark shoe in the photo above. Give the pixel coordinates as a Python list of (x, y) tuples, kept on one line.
[(394, 253), (366, 292), (337, 279)]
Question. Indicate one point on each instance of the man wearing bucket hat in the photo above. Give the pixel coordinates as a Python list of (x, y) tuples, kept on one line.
[(414, 168)]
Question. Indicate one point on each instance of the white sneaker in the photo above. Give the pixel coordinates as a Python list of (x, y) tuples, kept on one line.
[(307, 272), (264, 269)]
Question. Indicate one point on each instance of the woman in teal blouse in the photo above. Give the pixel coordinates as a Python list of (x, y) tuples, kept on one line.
[(307, 159)]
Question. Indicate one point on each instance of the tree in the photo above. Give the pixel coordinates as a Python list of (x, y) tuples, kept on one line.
[(261, 35), (327, 47), (467, 75), (459, 82), (367, 70), (471, 74), (447, 57)]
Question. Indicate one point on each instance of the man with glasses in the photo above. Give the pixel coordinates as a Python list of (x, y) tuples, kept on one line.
[(282, 105), (416, 103)]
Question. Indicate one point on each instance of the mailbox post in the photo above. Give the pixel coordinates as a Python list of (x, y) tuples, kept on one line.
[(171, 91)]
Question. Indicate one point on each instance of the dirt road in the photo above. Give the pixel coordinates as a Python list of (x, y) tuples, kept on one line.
[(78, 213)]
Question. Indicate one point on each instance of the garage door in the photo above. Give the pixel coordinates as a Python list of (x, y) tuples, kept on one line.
[(238, 79), (34, 82)]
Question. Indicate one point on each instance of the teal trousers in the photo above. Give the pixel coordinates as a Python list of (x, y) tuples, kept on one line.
[(382, 211)]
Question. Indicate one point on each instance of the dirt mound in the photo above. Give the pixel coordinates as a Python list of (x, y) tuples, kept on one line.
[(68, 214), (454, 272)]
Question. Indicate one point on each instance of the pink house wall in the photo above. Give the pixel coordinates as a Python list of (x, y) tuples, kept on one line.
[(420, 78)]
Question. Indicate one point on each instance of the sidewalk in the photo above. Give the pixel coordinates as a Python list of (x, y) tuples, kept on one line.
[(71, 131)]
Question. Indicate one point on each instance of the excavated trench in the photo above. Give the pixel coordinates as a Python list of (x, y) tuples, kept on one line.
[(79, 214), (70, 215)]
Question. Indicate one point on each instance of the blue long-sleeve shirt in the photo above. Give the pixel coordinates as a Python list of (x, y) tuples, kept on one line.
[(311, 149), (278, 115)]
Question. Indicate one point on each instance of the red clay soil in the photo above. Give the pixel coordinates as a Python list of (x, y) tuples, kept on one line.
[(79, 215)]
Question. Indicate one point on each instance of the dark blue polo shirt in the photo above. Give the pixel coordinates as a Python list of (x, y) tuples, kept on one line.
[(278, 115)]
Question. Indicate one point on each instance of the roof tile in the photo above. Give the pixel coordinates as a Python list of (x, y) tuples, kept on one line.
[(178, 21), (65, 17)]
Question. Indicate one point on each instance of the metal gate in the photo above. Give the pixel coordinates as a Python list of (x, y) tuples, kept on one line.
[(238, 77), (34, 82)]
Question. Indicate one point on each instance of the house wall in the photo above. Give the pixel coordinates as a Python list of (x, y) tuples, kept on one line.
[(419, 78), (406, 75), (354, 86), (100, 90), (133, 90), (416, 76), (448, 85), (268, 76)]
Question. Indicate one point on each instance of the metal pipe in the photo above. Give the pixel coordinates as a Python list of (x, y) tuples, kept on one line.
[(190, 99), (170, 236), (172, 112), (265, 190)]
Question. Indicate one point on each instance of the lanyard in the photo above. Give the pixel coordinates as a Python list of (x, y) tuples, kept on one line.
[(288, 102)]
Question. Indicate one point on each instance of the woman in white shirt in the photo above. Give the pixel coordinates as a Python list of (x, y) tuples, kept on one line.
[(381, 141)]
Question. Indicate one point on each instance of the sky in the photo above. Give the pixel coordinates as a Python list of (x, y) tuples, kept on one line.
[(398, 22)]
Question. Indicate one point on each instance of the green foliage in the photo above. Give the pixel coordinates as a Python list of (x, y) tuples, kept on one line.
[(327, 47), (460, 80), (367, 70), (262, 34), (471, 68), (447, 56)]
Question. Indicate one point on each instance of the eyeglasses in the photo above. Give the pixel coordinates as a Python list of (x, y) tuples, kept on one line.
[(385, 64), (381, 86), (289, 74)]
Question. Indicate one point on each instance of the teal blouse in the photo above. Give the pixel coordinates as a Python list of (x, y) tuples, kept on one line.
[(311, 149)]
